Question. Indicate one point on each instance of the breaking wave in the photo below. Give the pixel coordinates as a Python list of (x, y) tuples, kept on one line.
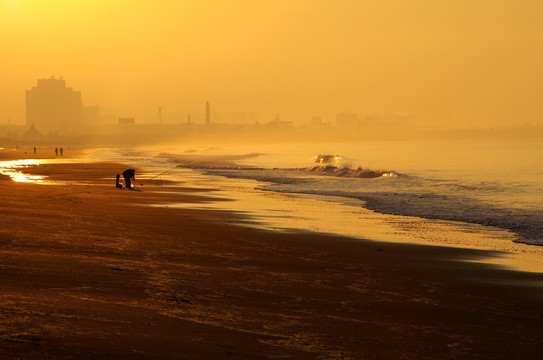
[(346, 171), (229, 163)]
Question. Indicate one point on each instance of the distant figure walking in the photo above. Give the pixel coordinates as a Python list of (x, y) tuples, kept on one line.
[(34, 150), (56, 151), (61, 151), (129, 178)]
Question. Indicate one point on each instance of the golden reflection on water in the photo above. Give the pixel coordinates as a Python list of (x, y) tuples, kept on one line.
[(14, 168)]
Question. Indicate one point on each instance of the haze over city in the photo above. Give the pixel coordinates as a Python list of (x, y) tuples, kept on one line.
[(449, 64)]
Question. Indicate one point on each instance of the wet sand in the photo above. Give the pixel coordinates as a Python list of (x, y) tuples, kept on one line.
[(91, 271)]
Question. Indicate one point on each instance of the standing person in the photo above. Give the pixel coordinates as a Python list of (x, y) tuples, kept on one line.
[(56, 151), (34, 150), (61, 151)]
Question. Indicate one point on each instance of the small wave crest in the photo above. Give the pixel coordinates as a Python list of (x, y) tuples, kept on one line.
[(346, 171), (336, 165)]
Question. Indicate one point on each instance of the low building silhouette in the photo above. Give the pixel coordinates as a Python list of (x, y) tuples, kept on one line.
[(126, 121)]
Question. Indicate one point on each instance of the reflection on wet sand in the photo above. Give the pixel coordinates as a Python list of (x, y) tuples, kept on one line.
[(14, 169)]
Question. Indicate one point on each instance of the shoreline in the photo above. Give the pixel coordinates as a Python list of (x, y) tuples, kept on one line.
[(91, 270), (336, 216), (371, 225)]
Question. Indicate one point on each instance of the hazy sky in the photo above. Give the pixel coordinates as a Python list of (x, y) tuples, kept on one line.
[(480, 60)]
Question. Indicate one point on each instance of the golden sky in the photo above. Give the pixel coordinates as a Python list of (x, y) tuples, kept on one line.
[(480, 60)]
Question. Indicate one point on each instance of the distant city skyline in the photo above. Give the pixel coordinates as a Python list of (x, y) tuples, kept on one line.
[(52, 106), (51, 92), (177, 114)]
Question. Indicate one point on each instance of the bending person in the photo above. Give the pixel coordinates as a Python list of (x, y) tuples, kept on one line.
[(129, 178)]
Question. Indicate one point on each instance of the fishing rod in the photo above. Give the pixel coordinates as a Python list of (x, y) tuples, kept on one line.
[(162, 173)]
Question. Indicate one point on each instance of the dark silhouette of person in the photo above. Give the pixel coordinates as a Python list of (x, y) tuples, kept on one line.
[(56, 151), (129, 177), (117, 182), (61, 151), (34, 150)]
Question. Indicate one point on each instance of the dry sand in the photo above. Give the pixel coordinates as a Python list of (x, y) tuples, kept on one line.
[(91, 271)]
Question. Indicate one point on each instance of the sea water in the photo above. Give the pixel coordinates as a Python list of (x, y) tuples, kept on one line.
[(488, 194)]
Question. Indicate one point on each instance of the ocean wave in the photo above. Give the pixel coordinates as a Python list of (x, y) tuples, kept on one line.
[(345, 171), (526, 224)]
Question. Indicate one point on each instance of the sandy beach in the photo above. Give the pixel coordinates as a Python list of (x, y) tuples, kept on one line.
[(91, 271)]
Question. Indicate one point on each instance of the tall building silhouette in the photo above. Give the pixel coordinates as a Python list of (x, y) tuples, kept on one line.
[(208, 114), (53, 107)]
